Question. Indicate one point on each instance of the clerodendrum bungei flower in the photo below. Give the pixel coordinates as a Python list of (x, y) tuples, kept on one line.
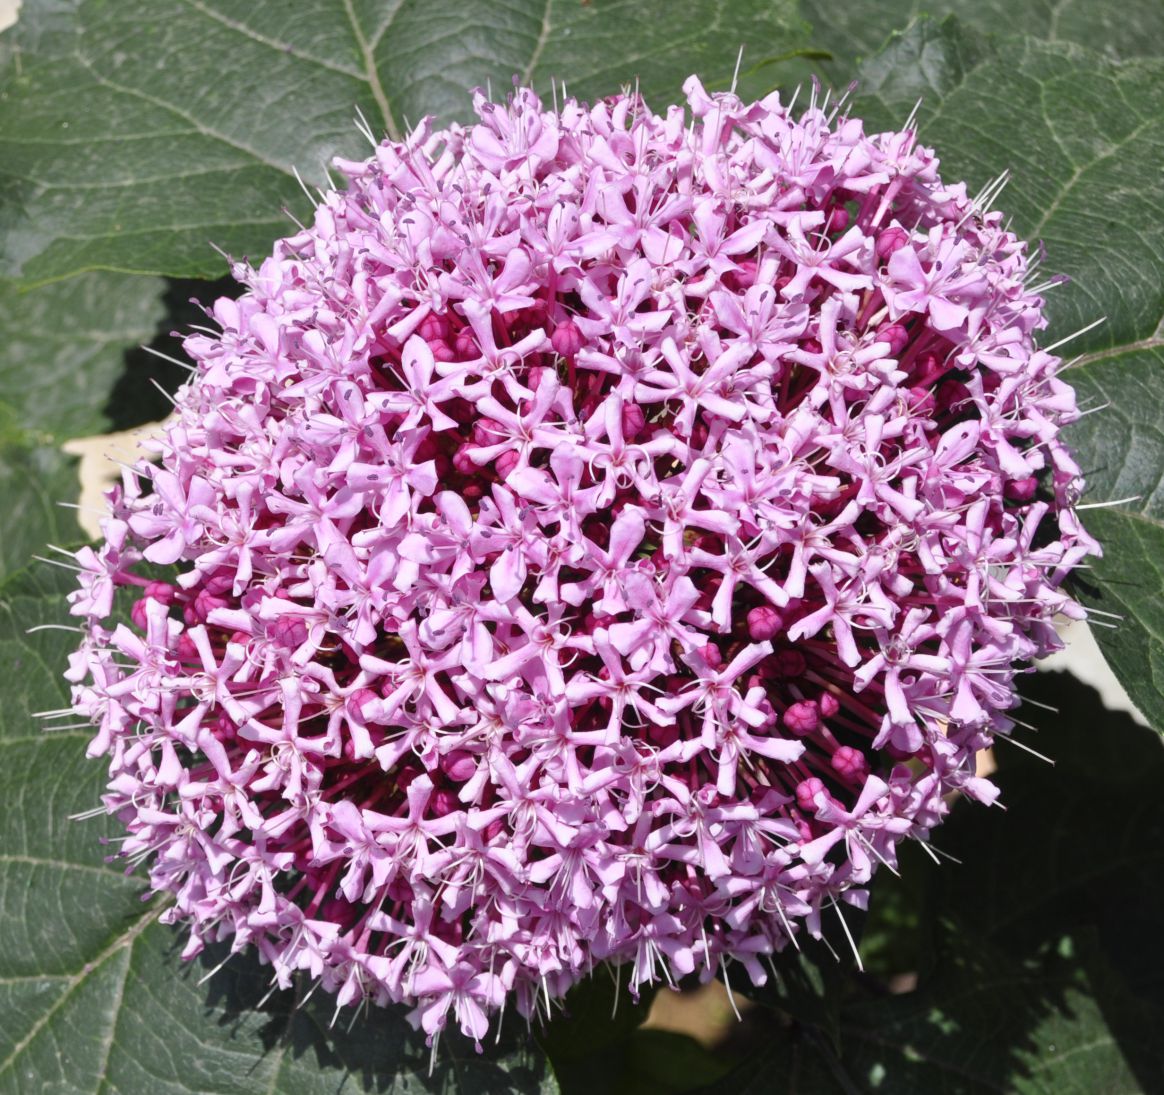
[(601, 536)]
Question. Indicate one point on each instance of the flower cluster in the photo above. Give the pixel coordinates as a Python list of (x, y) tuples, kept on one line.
[(600, 536)]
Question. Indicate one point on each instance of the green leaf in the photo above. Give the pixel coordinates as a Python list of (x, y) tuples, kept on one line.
[(1129, 583), (1085, 175), (1080, 844), (71, 365), (811, 982), (598, 1043), (34, 479), (662, 1062), (987, 1023), (1121, 450), (65, 348), (1086, 181), (123, 148), (788, 1060), (587, 1044), (851, 32), (93, 996)]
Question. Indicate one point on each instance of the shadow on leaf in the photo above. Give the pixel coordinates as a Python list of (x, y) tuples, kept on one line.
[(134, 398), (371, 1049), (1039, 961)]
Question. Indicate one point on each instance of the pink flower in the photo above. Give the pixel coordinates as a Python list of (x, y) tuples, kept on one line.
[(575, 533)]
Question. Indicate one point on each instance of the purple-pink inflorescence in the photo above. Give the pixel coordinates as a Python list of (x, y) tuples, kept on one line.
[(601, 536)]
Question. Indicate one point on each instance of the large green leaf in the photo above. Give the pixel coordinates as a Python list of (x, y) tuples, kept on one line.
[(1082, 137), (598, 1043), (1086, 180), (122, 147), (93, 997), (986, 1023)]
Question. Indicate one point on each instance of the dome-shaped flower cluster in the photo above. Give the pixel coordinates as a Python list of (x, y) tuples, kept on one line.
[(600, 536)]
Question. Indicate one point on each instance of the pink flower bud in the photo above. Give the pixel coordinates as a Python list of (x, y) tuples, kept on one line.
[(567, 339), (137, 612), (459, 765), (806, 791), (463, 462), (488, 431), (465, 345), (442, 351), (891, 241), (434, 328), (764, 622), (634, 421), (287, 631), (1021, 490), (359, 702), (850, 763), (712, 655), (802, 717), (896, 335), (838, 220), (506, 462), (163, 592), (205, 603)]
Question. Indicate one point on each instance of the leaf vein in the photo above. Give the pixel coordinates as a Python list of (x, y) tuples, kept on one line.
[(126, 939), (539, 45), (371, 73), (196, 125), (279, 47)]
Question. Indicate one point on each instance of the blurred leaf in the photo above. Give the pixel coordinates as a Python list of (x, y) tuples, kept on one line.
[(586, 1043), (897, 939), (986, 1022), (122, 147), (810, 984), (1050, 968), (597, 1043), (1080, 844), (662, 1061), (93, 996), (794, 1060), (1086, 181)]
